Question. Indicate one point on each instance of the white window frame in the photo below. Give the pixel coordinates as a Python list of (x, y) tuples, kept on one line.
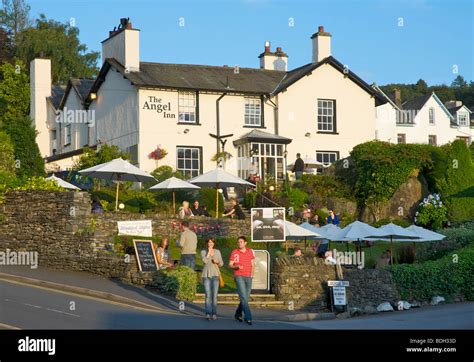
[(329, 154), (188, 170), (464, 122), (325, 115), (187, 107), (253, 112), (431, 116), (67, 135)]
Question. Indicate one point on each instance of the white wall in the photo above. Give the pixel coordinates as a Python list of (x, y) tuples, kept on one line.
[(298, 113), (386, 127)]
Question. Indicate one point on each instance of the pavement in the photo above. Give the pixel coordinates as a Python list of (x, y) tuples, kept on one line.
[(93, 287)]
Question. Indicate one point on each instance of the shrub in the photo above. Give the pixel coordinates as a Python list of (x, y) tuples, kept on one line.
[(450, 276), (180, 282), (324, 186), (7, 154), (295, 198), (250, 200), (207, 197), (432, 213)]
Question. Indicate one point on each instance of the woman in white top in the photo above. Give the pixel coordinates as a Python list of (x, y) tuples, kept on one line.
[(163, 255), (185, 210), (212, 260)]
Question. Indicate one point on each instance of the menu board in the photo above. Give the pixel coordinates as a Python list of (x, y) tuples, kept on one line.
[(268, 224), (261, 278), (145, 255)]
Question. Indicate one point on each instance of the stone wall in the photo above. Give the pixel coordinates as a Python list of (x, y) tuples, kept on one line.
[(60, 227), (303, 281)]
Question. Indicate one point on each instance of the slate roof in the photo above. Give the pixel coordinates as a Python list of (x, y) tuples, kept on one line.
[(416, 103), (221, 79), (82, 86), (57, 93), (260, 136)]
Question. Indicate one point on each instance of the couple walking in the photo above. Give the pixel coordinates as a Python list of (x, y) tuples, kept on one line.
[(242, 261)]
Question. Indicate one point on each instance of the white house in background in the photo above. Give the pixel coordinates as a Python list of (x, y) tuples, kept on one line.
[(424, 119), (260, 115), (463, 120)]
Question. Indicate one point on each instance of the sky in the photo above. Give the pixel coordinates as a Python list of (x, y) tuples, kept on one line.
[(383, 41)]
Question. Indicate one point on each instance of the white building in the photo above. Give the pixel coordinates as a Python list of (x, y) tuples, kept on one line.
[(260, 115), (424, 119)]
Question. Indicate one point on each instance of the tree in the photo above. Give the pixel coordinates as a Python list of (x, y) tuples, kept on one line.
[(5, 47), (459, 82), (7, 155), (27, 155), (421, 87), (91, 157), (14, 92), (60, 42), (15, 17)]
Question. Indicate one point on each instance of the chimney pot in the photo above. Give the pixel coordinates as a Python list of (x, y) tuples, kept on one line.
[(397, 97), (267, 47), (279, 50), (321, 29)]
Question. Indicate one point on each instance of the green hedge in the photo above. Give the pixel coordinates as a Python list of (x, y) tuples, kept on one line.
[(449, 276), (180, 282)]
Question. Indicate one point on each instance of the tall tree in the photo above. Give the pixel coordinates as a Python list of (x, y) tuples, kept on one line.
[(15, 17), (5, 47), (14, 91), (459, 82), (421, 87), (59, 42)]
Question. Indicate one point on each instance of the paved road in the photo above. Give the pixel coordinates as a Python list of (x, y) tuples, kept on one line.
[(449, 316), (27, 307)]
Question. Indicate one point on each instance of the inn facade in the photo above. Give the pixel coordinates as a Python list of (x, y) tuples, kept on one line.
[(261, 116)]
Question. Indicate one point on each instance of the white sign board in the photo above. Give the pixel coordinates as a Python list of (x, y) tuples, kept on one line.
[(261, 279), (268, 224), (338, 283), (339, 294), (135, 228)]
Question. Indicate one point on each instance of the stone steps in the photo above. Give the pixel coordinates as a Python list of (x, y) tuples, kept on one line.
[(262, 300)]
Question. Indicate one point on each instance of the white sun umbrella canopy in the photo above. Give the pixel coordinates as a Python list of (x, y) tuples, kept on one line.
[(394, 232), (62, 183), (308, 162), (424, 234), (173, 184), (117, 170), (219, 178), (299, 232)]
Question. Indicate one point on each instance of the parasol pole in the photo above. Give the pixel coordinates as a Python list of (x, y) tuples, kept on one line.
[(174, 204), (117, 192), (391, 250), (217, 200)]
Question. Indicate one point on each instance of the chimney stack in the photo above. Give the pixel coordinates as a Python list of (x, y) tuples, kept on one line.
[(321, 45), (397, 97), (123, 44), (273, 61)]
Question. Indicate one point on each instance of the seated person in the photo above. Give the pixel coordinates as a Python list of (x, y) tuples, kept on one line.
[(185, 211), (236, 211), (163, 255), (97, 207), (199, 210), (297, 251), (333, 218)]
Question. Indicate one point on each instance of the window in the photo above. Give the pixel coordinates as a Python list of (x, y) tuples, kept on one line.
[(188, 161), (253, 112), (327, 157), (463, 119), (67, 134), (187, 107), (432, 115), (465, 139), (432, 140), (326, 115), (401, 138)]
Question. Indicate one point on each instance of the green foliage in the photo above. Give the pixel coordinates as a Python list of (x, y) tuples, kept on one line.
[(163, 173), (181, 282), (14, 16), (92, 157), (295, 198), (15, 91), (60, 43), (207, 197), (250, 200), (39, 183), (431, 212), (449, 276), (7, 155), (23, 137), (324, 186)]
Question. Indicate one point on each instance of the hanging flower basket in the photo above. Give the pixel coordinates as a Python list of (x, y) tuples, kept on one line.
[(158, 154)]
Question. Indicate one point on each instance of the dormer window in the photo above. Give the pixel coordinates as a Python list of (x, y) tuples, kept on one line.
[(463, 119)]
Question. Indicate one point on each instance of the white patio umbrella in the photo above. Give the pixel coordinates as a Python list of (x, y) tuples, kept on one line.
[(219, 178), (309, 163), (355, 231), (173, 184), (298, 232), (117, 170), (393, 232), (424, 234), (62, 183)]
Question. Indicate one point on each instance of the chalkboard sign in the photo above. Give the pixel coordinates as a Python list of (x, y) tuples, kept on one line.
[(145, 255)]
